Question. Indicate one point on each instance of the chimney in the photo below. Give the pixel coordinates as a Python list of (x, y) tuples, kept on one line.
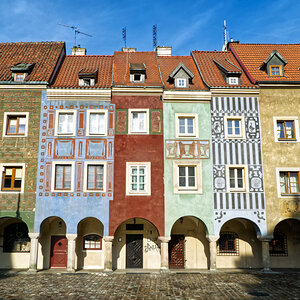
[(127, 49), (164, 51), (78, 51)]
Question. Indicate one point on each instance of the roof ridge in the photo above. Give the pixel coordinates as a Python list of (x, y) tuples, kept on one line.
[(92, 55), (265, 44), (212, 51), (42, 42)]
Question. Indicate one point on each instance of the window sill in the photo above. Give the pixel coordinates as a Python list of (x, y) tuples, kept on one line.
[(12, 192), (289, 195), (14, 135), (181, 191), (138, 194), (237, 191), (287, 141), (92, 250)]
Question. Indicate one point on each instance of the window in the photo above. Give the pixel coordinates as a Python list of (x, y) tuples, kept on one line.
[(95, 176), (278, 246), (187, 177), (275, 70), (16, 238), (139, 121), (137, 77), (138, 178), (65, 122), (286, 129), (186, 125), (236, 178), (12, 179), (289, 182), (233, 80), (92, 242), (234, 127), (86, 82), (228, 244), (180, 82), (62, 176), (19, 77), (15, 125), (96, 122)]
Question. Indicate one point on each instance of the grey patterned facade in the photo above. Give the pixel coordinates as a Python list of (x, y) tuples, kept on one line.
[(245, 151)]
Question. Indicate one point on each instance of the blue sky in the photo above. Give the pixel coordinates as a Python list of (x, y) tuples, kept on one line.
[(184, 25)]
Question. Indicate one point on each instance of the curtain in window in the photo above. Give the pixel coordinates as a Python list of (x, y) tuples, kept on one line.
[(65, 124), (97, 123)]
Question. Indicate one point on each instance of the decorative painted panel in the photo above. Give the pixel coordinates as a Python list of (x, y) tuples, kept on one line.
[(121, 121), (155, 121)]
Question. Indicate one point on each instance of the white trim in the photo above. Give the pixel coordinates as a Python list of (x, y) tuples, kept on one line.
[(130, 111), (285, 169), (242, 129), (147, 181), (177, 80), (23, 165), (96, 111), (289, 118), (94, 162), (236, 80), (142, 78), (60, 162), (245, 189), (198, 174), (66, 111), (6, 115), (186, 115), (185, 95)]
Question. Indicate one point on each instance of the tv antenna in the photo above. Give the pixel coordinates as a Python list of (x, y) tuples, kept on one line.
[(76, 31), (124, 35), (226, 37), (155, 36)]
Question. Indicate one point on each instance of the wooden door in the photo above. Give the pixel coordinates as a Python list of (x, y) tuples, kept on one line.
[(176, 251), (134, 251), (59, 252)]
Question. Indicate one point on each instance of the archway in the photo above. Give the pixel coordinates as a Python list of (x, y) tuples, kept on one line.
[(53, 247), (15, 243), (136, 245), (238, 245), (285, 246), (188, 247), (90, 244)]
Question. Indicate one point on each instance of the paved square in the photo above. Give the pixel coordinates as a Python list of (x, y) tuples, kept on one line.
[(205, 285)]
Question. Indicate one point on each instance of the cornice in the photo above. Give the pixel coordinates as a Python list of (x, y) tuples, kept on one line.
[(184, 96), (136, 90), (23, 86), (235, 92)]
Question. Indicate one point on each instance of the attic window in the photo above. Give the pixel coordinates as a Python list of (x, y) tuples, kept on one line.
[(233, 80), (137, 72), (87, 77), (275, 70), (19, 77), (20, 71), (180, 82)]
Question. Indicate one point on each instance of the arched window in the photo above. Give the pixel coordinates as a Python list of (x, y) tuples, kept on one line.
[(228, 244), (16, 238), (278, 246), (92, 242)]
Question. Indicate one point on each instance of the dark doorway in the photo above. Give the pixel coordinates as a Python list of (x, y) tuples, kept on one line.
[(134, 251), (59, 252), (176, 251)]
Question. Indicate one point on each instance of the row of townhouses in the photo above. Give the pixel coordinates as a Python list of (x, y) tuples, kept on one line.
[(147, 160)]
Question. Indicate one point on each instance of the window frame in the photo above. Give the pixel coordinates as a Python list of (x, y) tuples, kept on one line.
[(233, 77), (285, 195), (296, 129), (91, 249), (228, 252), (6, 122), (53, 176), (177, 82), (245, 188), (85, 179), (65, 111), (97, 111), (147, 182), (275, 66), (283, 239), (138, 110), (198, 177), (242, 127), (12, 165), (186, 116), (18, 74)]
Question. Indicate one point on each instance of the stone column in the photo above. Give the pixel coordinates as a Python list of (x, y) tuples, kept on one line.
[(164, 252), (71, 252), (34, 241), (212, 251), (108, 253), (265, 253)]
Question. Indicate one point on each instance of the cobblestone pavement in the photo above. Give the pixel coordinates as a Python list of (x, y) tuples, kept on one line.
[(204, 285)]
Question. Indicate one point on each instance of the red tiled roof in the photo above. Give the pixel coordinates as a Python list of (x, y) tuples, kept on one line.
[(44, 56), (167, 64), (122, 70), (228, 65), (210, 71), (68, 74), (253, 56)]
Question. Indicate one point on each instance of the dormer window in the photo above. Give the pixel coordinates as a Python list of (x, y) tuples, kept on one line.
[(180, 82), (274, 65), (137, 72), (87, 77), (181, 76), (19, 77), (233, 80), (20, 71), (275, 70)]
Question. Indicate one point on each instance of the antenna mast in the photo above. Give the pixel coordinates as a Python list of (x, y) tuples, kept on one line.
[(155, 36), (76, 31), (226, 35), (124, 35)]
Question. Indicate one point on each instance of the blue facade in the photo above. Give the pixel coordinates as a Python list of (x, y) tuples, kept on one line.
[(78, 149)]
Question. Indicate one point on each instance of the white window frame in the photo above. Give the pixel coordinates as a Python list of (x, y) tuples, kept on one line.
[(5, 123), (130, 111), (96, 111), (198, 174), (65, 111), (85, 179), (82, 81), (284, 169), (57, 162), (142, 78), (296, 123), (242, 129), (236, 80), (177, 82), (147, 181), (186, 115), (23, 166), (245, 189)]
